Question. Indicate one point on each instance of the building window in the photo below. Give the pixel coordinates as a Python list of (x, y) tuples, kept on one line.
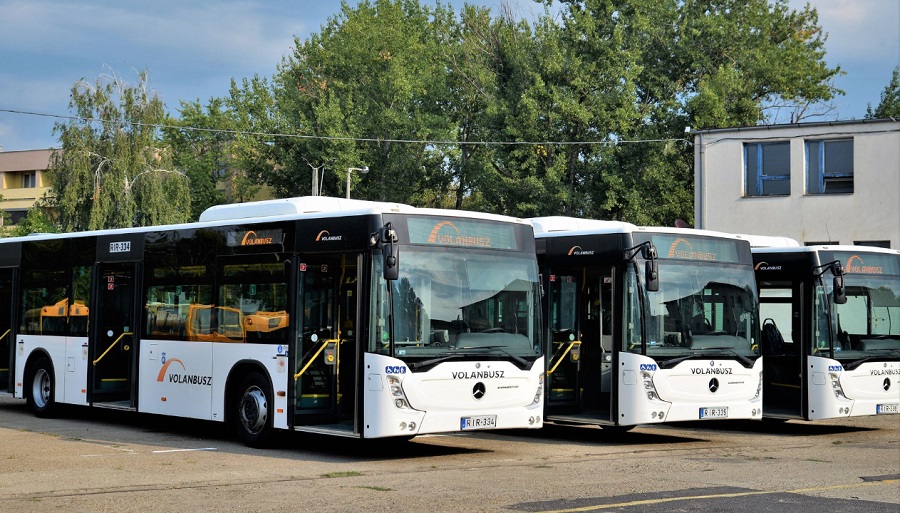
[(768, 168), (829, 167), (822, 243), (886, 244), (28, 180)]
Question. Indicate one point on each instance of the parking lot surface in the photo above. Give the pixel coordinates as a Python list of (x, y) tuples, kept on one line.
[(91, 460)]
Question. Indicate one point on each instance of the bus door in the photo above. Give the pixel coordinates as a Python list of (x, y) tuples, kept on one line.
[(782, 349), (580, 367), (6, 322), (112, 346), (325, 366)]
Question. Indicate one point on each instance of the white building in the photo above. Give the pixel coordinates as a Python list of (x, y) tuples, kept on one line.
[(830, 182)]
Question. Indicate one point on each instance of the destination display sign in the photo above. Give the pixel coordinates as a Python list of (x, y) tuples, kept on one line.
[(864, 263), (689, 247), (472, 233)]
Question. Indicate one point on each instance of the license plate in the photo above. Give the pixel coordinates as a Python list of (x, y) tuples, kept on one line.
[(885, 408), (478, 422), (713, 413)]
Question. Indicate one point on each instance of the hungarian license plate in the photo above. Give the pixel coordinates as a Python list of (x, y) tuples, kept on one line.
[(478, 422), (885, 408), (714, 413)]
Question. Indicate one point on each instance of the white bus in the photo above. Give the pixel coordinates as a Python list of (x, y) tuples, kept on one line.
[(830, 330), (313, 314), (647, 325)]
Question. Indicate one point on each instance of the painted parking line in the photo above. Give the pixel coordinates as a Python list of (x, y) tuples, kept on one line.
[(728, 495)]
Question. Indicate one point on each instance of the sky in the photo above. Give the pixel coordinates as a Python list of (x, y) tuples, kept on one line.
[(193, 48)]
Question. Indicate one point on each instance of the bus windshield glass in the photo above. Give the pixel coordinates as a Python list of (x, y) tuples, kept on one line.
[(701, 309), (868, 324), (452, 303)]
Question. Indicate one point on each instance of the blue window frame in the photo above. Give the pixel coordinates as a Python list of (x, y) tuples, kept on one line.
[(829, 166), (768, 168)]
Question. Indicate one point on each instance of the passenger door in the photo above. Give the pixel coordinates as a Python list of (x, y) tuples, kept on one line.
[(112, 346), (6, 322), (325, 371), (782, 362)]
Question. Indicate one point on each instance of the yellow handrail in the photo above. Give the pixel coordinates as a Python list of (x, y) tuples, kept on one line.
[(563, 355), (5, 334), (324, 345), (112, 346)]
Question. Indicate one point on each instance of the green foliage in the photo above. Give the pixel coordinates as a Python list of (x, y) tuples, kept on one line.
[(36, 221), (581, 111), (112, 170), (374, 72), (889, 106)]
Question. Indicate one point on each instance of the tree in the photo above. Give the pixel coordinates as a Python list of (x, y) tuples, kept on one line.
[(35, 221), (201, 152), (113, 171), (686, 63), (889, 106), (373, 76)]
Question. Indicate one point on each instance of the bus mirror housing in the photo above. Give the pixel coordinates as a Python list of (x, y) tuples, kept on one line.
[(651, 265), (651, 273), (386, 237), (840, 295)]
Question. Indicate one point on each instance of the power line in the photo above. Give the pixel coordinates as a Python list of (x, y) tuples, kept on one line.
[(352, 139)]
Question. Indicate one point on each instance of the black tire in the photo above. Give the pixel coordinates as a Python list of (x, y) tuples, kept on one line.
[(41, 395), (253, 411)]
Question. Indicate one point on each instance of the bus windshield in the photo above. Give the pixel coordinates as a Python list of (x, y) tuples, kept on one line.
[(701, 309), (451, 303), (868, 324)]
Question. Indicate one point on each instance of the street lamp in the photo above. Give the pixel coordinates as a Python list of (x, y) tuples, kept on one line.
[(363, 170)]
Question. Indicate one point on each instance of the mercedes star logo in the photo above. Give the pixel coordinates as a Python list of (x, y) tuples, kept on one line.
[(713, 385), (478, 390), (886, 384)]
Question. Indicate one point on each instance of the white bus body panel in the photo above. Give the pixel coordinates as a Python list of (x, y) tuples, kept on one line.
[(680, 393), (870, 389), (69, 356), (187, 379), (441, 397)]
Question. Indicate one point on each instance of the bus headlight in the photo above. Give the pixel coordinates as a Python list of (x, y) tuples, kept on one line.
[(397, 393), (647, 378), (759, 386), (540, 390), (836, 386)]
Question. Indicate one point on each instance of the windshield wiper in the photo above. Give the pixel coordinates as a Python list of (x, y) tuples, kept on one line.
[(524, 363), (856, 363), (673, 361), (439, 359), (741, 357)]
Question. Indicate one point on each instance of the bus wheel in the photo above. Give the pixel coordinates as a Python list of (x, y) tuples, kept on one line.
[(253, 411), (40, 400)]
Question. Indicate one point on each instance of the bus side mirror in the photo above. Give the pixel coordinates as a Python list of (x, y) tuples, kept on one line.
[(391, 254), (651, 274), (651, 268), (386, 237), (840, 295)]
